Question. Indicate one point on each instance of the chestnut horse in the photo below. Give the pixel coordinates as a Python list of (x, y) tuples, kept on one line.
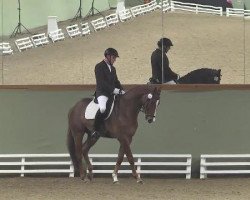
[(122, 125)]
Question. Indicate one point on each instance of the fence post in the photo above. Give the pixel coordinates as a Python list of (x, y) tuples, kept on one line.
[(22, 166), (71, 167), (188, 175), (139, 167), (203, 168)]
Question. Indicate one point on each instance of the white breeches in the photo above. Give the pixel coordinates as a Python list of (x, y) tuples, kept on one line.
[(102, 101), (171, 82)]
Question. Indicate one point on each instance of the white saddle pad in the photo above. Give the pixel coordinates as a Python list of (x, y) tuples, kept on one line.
[(92, 109)]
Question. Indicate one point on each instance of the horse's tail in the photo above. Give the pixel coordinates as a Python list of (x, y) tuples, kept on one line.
[(71, 149)]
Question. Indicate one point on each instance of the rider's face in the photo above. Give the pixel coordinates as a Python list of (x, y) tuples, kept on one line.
[(112, 59), (167, 48)]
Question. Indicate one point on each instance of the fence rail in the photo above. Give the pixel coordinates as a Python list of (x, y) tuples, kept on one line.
[(196, 8), (103, 163), (224, 164)]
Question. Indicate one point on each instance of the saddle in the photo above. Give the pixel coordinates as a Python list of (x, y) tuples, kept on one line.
[(93, 107)]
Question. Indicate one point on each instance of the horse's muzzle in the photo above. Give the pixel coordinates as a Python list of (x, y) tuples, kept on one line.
[(150, 118)]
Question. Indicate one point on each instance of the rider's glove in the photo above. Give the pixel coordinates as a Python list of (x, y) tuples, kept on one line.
[(116, 91), (122, 92)]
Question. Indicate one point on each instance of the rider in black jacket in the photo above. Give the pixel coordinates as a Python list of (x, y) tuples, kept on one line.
[(107, 85), (160, 62)]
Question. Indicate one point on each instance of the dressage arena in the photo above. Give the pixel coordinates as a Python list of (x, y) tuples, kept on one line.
[(200, 40), (102, 188)]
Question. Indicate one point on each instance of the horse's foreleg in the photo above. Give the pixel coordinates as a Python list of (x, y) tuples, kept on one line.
[(85, 149), (78, 150), (118, 164), (128, 152)]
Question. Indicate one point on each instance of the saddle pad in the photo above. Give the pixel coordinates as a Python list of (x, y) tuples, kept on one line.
[(92, 109)]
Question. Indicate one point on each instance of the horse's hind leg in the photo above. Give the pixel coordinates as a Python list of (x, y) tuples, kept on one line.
[(85, 149), (71, 149), (78, 152)]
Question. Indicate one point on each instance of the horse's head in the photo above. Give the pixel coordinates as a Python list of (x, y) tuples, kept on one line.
[(150, 102)]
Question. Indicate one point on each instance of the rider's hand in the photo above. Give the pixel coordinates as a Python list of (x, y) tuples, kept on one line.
[(122, 92), (116, 91)]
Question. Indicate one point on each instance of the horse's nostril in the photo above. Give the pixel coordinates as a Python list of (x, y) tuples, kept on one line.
[(150, 120)]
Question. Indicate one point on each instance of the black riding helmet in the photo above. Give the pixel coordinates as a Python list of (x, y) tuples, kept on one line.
[(165, 41), (111, 51)]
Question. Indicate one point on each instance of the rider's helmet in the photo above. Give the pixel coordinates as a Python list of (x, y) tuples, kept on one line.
[(165, 42), (111, 51)]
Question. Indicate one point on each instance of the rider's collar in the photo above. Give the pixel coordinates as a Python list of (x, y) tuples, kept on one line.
[(109, 66)]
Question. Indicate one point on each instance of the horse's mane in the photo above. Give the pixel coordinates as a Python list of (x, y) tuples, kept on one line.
[(139, 90)]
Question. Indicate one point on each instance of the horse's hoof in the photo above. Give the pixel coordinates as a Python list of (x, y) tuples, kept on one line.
[(86, 180), (90, 177), (140, 181), (116, 182)]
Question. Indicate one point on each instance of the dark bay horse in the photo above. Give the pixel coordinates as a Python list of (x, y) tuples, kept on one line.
[(122, 125), (198, 76), (201, 76)]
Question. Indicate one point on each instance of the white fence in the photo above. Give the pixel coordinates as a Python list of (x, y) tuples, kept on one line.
[(144, 8), (99, 23), (196, 8), (5, 48), (234, 12), (247, 14), (112, 19), (39, 39), (85, 28), (73, 30), (125, 15), (24, 44), (224, 164), (35, 164), (166, 6), (103, 163), (56, 35)]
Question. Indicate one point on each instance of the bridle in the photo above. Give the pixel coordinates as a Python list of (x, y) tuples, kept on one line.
[(146, 103)]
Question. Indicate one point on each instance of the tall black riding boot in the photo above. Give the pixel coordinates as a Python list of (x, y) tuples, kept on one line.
[(97, 124)]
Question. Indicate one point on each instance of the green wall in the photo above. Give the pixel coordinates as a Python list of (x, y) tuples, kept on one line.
[(240, 4), (34, 13), (35, 121)]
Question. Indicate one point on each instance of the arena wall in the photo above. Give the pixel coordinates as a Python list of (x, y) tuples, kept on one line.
[(190, 120), (221, 3), (35, 13)]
